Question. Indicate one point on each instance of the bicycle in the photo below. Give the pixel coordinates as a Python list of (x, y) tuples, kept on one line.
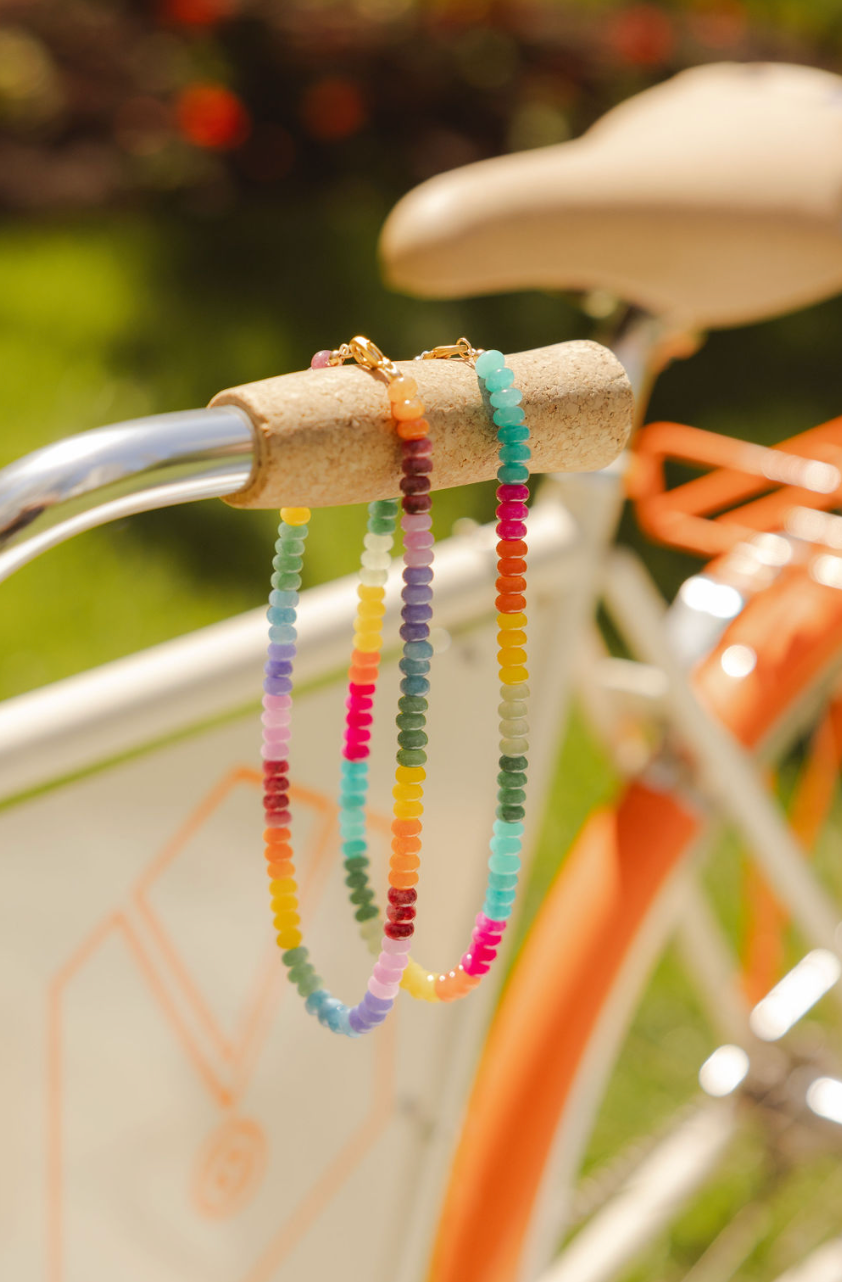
[(620, 892)]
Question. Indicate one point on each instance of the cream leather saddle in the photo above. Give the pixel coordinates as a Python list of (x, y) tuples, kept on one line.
[(713, 199)]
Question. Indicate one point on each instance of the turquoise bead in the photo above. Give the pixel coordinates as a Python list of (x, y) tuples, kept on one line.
[(508, 846), (506, 398), (504, 829), (353, 851), (314, 1001), (282, 634), (416, 686), (418, 650), (504, 863), (353, 800), (513, 474), (499, 379), (514, 453), (415, 667), (512, 435), (354, 768), (502, 882), (489, 362), (509, 416), (292, 533), (277, 614), (289, 600)]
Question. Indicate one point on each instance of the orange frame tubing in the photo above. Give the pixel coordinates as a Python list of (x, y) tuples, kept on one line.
[(583, 935)]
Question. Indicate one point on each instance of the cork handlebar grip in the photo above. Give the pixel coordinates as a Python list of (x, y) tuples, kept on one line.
[(326, 436)]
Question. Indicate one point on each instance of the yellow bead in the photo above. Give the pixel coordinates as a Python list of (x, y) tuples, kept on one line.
[(511, 620), (403, 388), (286, 886), (370, 594), (367, 642), (419, 983), (511, 656), (289, 937), (407, 791), (407, 809), (513, 676), (371, 610), (410, 774), (511, 636), (295, 515), (284, 904), (286, 918)]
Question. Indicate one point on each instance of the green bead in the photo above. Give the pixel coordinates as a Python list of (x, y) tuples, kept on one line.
[(499, 378), (362, 896), (514, 453), (356, 879), (288, 582), (510, 813), (384, 507), (509, 397), (411, 720), (381, 525), (489, 362), (509, 416), (510, 764), (412, 703), (513, 435), (295, 956), (512, 779), (411, 757), (366, 912), (513, 474), (511, 796), (356, 863), (311, 984), (412, 739)]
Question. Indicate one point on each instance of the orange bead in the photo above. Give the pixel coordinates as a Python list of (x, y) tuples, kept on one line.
[(403, 880), (406, 845), (511, 565), (406, 411), (283, 868), (276, 836), (511, 583), (512, 547), (413, 430), (511, 603), (404, 863), (406, 827)]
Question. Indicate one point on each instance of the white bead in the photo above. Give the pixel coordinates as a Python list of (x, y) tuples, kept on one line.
[(374, 578), (512, 708), (520, 691), (376, 560), (378, 542), (516, 726)]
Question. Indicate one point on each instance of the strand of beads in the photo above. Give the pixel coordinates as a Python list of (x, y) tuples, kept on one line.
[(504, 863), (393, 956)]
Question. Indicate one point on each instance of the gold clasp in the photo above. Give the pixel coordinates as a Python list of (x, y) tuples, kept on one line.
[(366, 354), (461, 350)]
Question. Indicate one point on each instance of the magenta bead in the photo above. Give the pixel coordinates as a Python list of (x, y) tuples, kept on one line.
[(473, 966), (489, 925), (511, 530), (511, 511), (321, 360), (520, 493)]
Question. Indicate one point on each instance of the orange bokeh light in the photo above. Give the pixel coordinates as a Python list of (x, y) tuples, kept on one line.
[(333, 109), (212, 116)]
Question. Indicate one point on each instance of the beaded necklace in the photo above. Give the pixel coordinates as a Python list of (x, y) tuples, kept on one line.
[(412, 428), (394, 967)]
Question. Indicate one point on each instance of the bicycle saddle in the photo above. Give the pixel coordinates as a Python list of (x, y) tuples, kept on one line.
[(712, 199)]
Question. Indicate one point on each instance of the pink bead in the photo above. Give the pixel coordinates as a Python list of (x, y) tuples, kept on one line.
[(321, 360), (510, 530), (275, 751), (473, 966), (489, 925), (520, 493), (382, 990), (419, 556), (388, 970), (418, 539), (355, 752), (274, 734), (273, 701), (276, 718), (511, 511), (416, 521), (397, 947), (484, 953)]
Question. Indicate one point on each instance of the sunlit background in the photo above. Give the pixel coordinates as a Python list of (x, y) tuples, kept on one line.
[(192, 192)]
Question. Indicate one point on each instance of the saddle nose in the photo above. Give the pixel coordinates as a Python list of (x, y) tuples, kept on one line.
[(713, 199)]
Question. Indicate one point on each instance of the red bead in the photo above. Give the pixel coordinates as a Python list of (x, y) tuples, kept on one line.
[(417, 449), (398, 929), (397, 896), (415, 484), (417, 466), (275, 801), (276, 783), (397, 912), (414, 504), (275, 768)]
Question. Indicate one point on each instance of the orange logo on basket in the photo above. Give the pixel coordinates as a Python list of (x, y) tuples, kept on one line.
[(750, 488), (229, 1164)]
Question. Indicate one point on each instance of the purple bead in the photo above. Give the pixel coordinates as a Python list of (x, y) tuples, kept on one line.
[(282, 669), (415, 594), (410, 614), (277, 653), (277, 685), (418, 574), (377, 1005), (358, 1025), (321, 360), (414, 632)]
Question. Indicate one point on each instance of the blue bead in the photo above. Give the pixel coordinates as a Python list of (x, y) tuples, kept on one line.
[(415, 685), (505, 399), (499, 378), (489, 361), (282, 634), (514, 453), (314, 1002), (513, 474), (332, 1004), (509, 416), (418, 650)]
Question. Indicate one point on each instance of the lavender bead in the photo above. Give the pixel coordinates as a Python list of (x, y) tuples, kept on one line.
[(277, 685), (416, 613), (417, 594), (415, 574)]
